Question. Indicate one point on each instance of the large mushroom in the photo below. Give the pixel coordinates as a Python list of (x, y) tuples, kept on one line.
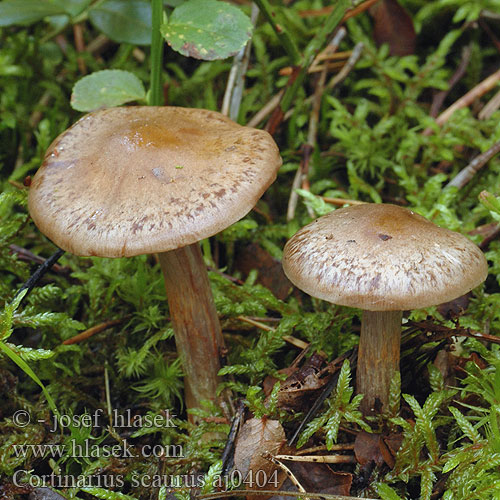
[(135, 180), (383, 259)]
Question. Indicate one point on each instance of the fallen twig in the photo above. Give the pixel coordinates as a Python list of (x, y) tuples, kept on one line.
[(94, 330), (490, 107), (323, 459), (39, 273), (236, 80), (348, 66), (246, 493), (439, 98), (480, 89), (466, 174), (287, 338), (342, 201), (28, 256)]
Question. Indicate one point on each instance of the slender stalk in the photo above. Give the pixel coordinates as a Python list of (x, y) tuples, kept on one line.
[(378, 358), (156, 91), (197, 330), (283, 36)]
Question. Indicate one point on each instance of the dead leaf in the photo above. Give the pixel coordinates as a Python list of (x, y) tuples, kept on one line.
[(393, 442), (377, 448), (302, 384), (394, 26), (320, 478), (256, 437), (367, 448), (454, 308)]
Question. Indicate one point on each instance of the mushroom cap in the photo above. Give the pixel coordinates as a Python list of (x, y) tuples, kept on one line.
[(382, 257), (135, 180)]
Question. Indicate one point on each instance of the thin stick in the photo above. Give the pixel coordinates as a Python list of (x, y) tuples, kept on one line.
[(491, 106), (492, 236), (325, 56), (39, 273), (286, 470), (329, 54), (489, 32), (230, 84), (294, 196), (80, 47), (335, 447), (342, 201), (320, 459), (239, 86), (480, 89), (245, 493), (348, 66), (329, 66), (266, 110), (96, 45), (28, 256), (108, 395), (287, 338), (439, 98), (93, 331), (465, 175)]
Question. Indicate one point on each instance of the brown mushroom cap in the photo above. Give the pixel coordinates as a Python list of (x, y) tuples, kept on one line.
[(382, 257), (135, 180)]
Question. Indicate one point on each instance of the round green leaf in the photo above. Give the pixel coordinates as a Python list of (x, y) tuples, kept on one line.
[(126, 21), (207, 29), (27, 12), (106, 88)]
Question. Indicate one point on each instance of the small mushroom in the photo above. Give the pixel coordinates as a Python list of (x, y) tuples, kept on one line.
[(383, 259), (134, 180)]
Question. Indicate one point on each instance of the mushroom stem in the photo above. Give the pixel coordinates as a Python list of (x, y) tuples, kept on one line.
[(378, 358), (197, 330)]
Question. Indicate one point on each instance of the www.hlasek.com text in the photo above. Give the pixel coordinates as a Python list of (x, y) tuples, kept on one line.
[(89, 449)]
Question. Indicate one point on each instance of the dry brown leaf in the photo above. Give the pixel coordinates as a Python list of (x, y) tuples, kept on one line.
[(394, 26), (455, 307), (367, 448), (393, 442), (377, 448), (316, 478), (256, 437), (303, 384)]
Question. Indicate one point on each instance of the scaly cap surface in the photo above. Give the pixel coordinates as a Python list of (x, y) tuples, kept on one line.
[(135, 180), (382, 257)]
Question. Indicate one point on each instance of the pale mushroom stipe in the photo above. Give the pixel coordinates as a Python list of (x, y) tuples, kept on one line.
[(135, 180), (383, 259)]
